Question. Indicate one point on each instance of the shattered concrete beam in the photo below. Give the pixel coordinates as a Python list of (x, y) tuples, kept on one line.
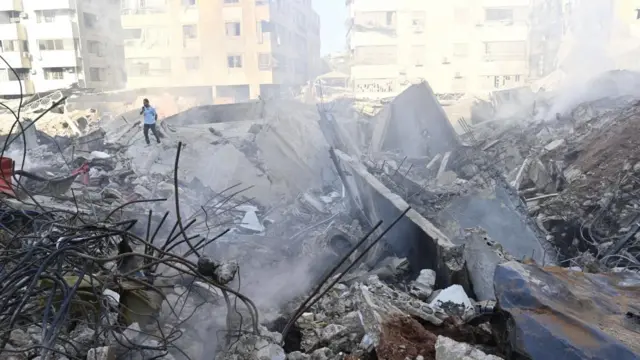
[(432, 164), (444, 164), (414, 237)]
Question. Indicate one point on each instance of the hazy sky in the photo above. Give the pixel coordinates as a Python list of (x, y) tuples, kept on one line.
[(333, 14)]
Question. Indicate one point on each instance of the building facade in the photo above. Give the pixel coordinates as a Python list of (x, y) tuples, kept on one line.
[(458, 46), (235, 49), (53, 44)]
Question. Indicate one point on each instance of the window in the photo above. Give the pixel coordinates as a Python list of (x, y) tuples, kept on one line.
[(53, 73), (188, 2), (129, 34), (231, 1), (505, 50), (57, 44), (8, 75), (189, 31), (391, 17), (96, 74), (234, 61), (46, 16), (9, 45), (90, 20), (376, 55), (460, 50), (459, 84), (259, 32), (375, 19), (95, 47), (148, 66), (232, 28), (417, 21), (264, 61), (498, 14), (418, 55), (192, 63)]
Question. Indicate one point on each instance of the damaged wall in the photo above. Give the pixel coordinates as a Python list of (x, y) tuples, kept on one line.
[(413, 237), (415, 124)]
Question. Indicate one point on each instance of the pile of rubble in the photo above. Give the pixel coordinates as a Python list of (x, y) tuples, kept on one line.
[(244, 234)]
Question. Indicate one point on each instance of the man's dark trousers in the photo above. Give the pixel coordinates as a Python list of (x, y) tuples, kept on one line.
[(153, 130)]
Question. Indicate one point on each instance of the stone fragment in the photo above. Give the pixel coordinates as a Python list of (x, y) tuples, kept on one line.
[(101, 353), (271, 352), (454, 301), (447, 349), (297, 355), (422, 287), (332, 331)]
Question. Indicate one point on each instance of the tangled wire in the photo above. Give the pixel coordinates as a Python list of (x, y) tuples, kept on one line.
[(73, 284)]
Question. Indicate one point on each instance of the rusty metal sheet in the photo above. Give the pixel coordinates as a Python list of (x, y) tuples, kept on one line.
[(556, 313)]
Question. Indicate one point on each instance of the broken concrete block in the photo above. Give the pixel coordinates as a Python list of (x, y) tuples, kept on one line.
[(447, 349), (332, 332), (422, 287), (142, 191), (432, 164), (226, 272), (271, 352), (454, 301), (251, 222), (101, 353), (554, 145), (297, 355)]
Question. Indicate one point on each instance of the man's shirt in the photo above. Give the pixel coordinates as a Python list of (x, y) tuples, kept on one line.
[(149, 115)]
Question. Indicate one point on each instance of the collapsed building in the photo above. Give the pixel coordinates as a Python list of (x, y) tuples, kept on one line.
[(280, 230)]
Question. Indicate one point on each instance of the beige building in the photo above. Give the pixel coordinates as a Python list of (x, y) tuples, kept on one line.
[(233, 49), (458, 46), (53, 44)]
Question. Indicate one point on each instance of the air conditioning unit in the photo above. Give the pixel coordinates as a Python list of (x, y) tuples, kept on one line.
[(34, 72), (24, 15)]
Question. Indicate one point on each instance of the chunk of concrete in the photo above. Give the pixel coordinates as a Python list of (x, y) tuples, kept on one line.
[(251, 222), (554, 145), (453, 300), (422, 287), (101, 353), (447, 349)]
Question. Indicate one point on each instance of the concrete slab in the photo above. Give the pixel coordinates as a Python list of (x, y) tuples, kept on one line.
[(414, 237)]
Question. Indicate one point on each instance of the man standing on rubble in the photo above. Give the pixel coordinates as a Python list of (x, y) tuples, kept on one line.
[(150, 118)]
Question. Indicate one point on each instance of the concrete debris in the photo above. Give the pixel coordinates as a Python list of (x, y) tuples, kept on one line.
[(422, 287), (447, 349), (266, 196)]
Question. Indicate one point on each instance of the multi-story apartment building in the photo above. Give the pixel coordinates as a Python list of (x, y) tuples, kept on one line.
[(53, 44), (233, 49), (458, 46)]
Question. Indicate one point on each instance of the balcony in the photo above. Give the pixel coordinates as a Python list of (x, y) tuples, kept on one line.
[(51, 4), (13, 87), (10, 5), (54, 30), (16, 59), (58, 58), (12, 32)]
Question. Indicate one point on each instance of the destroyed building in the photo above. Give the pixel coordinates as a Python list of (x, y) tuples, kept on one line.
[(275, 229)]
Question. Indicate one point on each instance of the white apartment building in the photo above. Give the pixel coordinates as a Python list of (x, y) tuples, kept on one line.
[(458, 46), (53, 44)]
